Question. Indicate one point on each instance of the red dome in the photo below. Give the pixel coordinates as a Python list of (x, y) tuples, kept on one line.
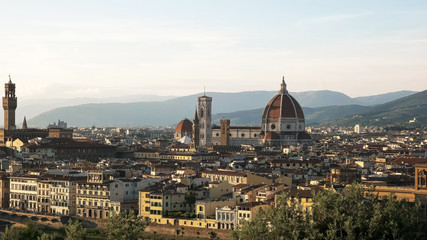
[(184, 126), (283, 106), (271, 136)]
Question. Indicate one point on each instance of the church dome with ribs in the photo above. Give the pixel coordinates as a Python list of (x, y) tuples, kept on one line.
[(283, 106), (184, 126), (283, 114)]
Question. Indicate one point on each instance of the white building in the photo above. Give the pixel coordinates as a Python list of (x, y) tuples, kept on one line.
[(23, 192), (63, 194), (357, 128)]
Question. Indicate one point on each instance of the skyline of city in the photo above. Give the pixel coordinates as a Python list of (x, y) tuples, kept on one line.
[(102, 49), (231, 120)]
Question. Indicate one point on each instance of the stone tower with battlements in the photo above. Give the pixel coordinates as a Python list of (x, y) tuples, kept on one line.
[(225, 132), (10, 103), (205, 116)]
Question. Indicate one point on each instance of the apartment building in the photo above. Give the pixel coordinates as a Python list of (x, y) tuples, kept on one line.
[(23, 192), (93, 195), (157, 200), (63, 194)]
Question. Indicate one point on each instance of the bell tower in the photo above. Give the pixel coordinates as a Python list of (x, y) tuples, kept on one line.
[(204, 110), (9, 105)]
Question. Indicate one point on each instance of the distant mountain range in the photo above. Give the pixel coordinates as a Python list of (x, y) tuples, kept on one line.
[(33, 107), (319, 106), (399, 111)]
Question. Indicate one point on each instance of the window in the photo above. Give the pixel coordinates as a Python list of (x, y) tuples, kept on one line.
[(273, 126)]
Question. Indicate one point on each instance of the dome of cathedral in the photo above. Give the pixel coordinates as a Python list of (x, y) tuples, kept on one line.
[(283, 105), (184, 126), (283, 115)]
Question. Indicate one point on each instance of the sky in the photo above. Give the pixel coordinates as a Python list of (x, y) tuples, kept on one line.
[(102, 48)]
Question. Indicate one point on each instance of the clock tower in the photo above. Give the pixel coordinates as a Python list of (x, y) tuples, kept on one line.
[(9, 105)]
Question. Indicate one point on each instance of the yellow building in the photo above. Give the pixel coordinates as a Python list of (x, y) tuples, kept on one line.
[(304, 197), (43, 196), (219, 189), (155, 201), (247, 211), (206, 209), (234, 177)]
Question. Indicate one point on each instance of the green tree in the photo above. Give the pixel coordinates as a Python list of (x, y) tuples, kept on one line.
[(47, 236), (124, 226), (394, 219), (190, 199), (353, 213), (75, 231), (10, 233), (287, 220), (30, 232)]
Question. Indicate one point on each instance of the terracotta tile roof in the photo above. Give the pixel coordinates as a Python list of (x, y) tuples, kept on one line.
[(184, 126), (283, 106), (300, 193)]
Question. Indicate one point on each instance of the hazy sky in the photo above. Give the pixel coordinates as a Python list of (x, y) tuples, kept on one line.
[(110, 48)]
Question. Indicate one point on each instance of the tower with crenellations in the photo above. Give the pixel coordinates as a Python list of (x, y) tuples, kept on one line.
[(9, 105)]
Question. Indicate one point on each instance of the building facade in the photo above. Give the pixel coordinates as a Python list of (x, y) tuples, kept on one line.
[(93, 195), (23, 193)]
